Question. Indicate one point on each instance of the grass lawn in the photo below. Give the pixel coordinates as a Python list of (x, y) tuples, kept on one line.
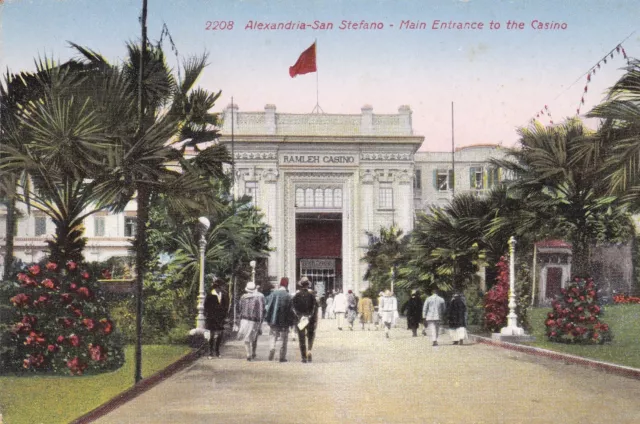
[(624, 321), (60, 399)]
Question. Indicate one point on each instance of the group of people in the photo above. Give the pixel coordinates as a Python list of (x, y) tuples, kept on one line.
[(283, 311), (431, 314), (279, 309)]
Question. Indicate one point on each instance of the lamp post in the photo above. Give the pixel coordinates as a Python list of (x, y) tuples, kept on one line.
[(512, 328), (253, 271), (203, 226)]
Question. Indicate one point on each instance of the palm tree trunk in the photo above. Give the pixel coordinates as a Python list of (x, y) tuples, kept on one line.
[(9, 244), (141, 268)]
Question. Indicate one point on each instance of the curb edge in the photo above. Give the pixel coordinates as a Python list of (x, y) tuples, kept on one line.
[(138, 389), (578, 360)]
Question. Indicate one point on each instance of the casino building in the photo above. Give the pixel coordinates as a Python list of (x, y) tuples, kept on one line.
[(323, 181)]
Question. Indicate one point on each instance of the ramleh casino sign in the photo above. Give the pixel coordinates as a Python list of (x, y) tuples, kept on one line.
[(289, 158)]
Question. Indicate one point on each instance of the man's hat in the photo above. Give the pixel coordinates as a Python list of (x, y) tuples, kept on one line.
[(251, 287), (284, 282), (304, 282)]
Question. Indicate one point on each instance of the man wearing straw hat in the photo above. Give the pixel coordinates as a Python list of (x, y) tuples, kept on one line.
[(251, 315)]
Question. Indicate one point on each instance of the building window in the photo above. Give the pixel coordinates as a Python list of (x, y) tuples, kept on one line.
[(493, 177), (129, 226), (319, 198), (299, 197), (417, 179), (443, 179), (328, 198), (308, 198), (98, 226), (41, 225), (337, 198), (476, 176), (385, 197), (251, 190)]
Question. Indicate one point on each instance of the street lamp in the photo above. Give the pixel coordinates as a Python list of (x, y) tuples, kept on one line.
[(512, 328), (252, 264), (203, 226)]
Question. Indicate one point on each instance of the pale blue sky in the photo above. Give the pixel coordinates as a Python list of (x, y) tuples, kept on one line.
[(497, 79)]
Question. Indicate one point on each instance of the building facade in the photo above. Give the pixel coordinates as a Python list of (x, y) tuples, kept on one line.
[(322, 181)]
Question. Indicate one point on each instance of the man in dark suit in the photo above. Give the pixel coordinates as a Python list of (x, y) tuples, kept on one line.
[(216, 307), (306, 308)]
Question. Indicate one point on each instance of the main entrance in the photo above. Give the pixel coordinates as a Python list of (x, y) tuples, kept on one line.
[(319, 250)]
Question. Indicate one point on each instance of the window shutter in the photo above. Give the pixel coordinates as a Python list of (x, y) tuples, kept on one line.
[(452, 179), (435, 179), (472, 177)]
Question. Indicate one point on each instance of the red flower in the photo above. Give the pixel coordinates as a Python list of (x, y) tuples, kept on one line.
[(67, 322), (66, 298), (48, 283), (106, 274), (22, 277), (84, 275), (76, 366), (553, 334), (107, 326), (89, 323), (84, 292), (34, 269), (73, 286), (71, 266), (550, 323), (44, 298), (60, 339), (20, 300), (570, 300), (52, 348), (77, 312), (97, 352), (74, 340), (33, 360), (29, 319), (51, 266)]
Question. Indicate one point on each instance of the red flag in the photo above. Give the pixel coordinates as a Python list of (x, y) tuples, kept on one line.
[(306, 62)]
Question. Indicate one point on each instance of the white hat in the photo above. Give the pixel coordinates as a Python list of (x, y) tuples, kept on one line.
[(251, 286)]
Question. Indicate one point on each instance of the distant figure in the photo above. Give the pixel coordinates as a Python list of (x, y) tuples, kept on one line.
[(352, 308), (306, 309), (216, 307), (323, 306), (433, 312), (388, 308), (280, 316), (251, 316), (413, 310), (329, 314), (340, 308), (365, 311), (377, 319), (457, 319)]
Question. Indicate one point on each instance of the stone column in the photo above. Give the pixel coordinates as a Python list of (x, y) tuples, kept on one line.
[(403, 201), (366, 215), (270, 207)]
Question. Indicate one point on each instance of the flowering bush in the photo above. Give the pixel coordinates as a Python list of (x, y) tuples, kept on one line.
[(623, 298), (496, 300), (575, 315), (59, 322)]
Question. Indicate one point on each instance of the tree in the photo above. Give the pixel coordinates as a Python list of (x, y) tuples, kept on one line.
[(52, 151), (386, 252), (565, 188), (618, 138)]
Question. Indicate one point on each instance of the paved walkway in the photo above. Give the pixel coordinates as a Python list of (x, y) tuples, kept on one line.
[(361, 377)]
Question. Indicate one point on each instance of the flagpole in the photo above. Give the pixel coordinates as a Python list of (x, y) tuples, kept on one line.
[(317, 72), (453, 157)]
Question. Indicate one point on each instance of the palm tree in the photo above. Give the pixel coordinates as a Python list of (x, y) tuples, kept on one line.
[(52, 150), (386, 252), (563, 186), (618, 138)]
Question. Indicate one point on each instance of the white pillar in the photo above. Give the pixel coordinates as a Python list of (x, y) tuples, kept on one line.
[(270, 207), (512, 328), (203, 226)]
